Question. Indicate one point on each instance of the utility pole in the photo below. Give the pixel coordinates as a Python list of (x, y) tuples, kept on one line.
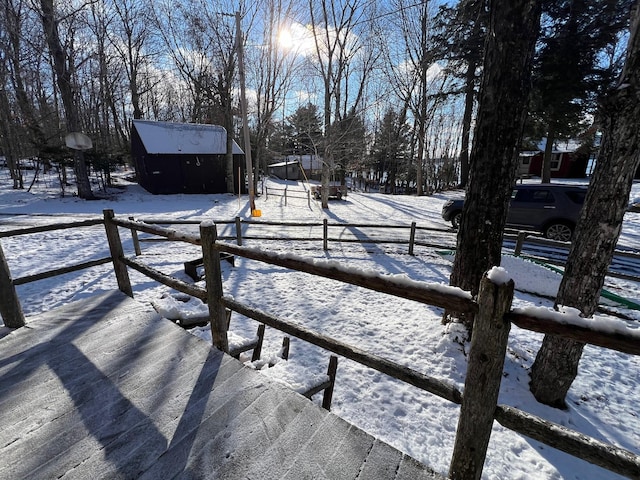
[(245, 123)]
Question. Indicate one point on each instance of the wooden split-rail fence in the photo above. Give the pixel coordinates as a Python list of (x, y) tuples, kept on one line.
[(491, 309)]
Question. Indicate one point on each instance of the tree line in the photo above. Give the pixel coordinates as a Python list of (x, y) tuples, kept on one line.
[(387, 90)]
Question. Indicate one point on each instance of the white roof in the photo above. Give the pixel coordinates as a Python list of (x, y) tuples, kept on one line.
[(308, 162), (187, 138), (560, 146)]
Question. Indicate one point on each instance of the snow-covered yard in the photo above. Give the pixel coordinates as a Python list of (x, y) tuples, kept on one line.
[(602, 401)]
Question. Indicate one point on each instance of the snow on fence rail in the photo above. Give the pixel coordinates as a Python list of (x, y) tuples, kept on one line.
[(493, 317)]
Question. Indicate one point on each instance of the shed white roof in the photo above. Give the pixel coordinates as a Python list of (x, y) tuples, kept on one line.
[(185, 138), (308, 162)]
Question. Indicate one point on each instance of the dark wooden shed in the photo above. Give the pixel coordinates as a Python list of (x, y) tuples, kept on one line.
[(183, 157)]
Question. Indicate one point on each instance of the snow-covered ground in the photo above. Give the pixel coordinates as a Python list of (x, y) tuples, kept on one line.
[(602, 401)]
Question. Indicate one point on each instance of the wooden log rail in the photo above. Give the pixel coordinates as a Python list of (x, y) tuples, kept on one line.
[(424, 382), (555, 323), (450, 298), (51, 228), (286, 194), (10, 308), (534, 238), (605, 455)]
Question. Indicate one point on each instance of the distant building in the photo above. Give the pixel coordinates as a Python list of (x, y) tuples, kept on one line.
[(183, 157), (568, 160), (297, 167)]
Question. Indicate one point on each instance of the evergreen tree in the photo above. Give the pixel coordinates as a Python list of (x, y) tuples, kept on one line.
[(505, 88), (350, 144), (599, 226), (305, 131), (460, 34), (568, 74), (390, 151)]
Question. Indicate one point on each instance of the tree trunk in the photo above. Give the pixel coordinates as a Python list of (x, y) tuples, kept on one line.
[(469, 98), (513, 29), (63, 79), (598, 228), (548, 153)]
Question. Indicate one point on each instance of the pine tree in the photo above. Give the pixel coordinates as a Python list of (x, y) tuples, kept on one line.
[(390, 151), (305, 130), (504, 92), (599, 226), (568, 74), (460, 33)]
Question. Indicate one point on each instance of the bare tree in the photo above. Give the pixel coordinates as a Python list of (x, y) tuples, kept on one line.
[(131, 37), (513, 29), (200, 39), (15, 16), (272, 68), (63, 64), (599, 226), (344, 61)]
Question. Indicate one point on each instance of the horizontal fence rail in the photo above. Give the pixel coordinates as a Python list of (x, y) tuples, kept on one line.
[(411, 235), (451, 298), (51, 228), (395, 370)]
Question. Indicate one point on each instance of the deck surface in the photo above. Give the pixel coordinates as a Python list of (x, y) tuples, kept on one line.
[(105, 388)]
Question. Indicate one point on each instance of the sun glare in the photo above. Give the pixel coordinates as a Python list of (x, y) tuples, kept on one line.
[(285, 39)]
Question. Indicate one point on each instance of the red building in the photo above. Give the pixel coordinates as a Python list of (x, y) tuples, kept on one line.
[(568, 160)]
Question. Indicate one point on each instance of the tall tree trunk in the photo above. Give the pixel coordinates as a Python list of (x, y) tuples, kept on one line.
[(513, 29), (8, 139), (469, 98), (556, 364), (548, 153), (63, 80)]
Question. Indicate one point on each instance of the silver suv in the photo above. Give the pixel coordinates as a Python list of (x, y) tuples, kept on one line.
[(552, 209)]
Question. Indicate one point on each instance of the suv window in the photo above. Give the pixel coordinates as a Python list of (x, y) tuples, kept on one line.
[(531, 195), (576, 197)]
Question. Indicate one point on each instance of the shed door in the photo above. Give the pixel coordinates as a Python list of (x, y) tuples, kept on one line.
[(203, 174)]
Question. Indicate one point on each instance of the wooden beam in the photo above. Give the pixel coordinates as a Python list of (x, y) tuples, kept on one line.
[(577, 444), (117, 254), (49, 228), (436, 295), (621, 342), (213, 281), (60, 271), (168, 280), (406, 374)]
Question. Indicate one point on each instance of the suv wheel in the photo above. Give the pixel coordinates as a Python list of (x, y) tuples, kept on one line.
[(559, 231), (455, 220)]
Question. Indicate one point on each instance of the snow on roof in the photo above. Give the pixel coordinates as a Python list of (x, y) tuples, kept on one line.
[(560, 146), (186, 138), (308, 162)]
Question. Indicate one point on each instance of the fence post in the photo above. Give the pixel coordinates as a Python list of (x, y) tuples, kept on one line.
[(10, 307), (136, 241), (482, 383), (266, 193), (213, 281), (412, 237), (325, 235), (522, 236), (115, 246), (238, 231), (309, 198), (285, 196)]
